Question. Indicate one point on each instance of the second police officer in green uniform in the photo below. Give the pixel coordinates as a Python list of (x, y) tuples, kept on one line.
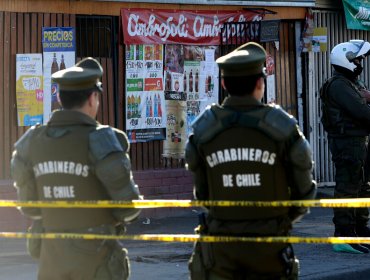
[(75, 158), (246, 150)]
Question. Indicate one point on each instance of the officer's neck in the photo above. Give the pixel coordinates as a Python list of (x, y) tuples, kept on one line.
[(90, 107)]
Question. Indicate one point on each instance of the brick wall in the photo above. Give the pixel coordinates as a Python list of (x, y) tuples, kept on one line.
[(153, 184), (165, 184)]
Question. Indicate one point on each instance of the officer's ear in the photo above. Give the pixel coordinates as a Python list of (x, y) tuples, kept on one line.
[(93, 97), (260, 83), (223, 83)]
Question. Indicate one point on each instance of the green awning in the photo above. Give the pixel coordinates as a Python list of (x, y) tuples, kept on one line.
[(357, 14)]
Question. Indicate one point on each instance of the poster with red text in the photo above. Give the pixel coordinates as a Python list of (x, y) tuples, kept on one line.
[(145, 114)]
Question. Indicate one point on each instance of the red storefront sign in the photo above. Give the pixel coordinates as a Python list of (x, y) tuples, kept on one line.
[(145, 26)]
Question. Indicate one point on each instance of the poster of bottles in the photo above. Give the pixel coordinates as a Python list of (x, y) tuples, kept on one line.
[(29, 89), (145, 113), (191, 70), (59, 52)]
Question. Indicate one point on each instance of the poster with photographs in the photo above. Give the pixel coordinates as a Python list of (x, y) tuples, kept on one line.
[(145, 114), (193, 71)]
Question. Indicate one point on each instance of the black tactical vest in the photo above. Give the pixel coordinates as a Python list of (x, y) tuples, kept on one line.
[(63, 171), (334, 120), (243, 163)]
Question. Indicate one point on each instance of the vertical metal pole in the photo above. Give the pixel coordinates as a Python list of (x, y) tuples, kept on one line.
[(298, 58)]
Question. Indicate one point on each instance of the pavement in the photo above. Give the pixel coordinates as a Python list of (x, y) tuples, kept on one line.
[(168, 261)]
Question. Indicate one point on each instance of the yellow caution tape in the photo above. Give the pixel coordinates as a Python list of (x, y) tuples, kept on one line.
[(189, 238), (329, 203)]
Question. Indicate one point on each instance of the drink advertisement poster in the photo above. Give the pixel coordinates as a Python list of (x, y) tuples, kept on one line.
[(145, 112), (59, 51), (193, 71), (29, 89)]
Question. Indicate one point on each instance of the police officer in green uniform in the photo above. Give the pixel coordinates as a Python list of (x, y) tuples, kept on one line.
[(246, 150), (74, 158), (346, 119)]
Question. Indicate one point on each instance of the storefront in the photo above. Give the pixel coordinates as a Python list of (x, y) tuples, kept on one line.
[(160, 71)]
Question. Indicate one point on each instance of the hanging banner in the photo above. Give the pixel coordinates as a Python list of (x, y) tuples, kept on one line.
[(145, 115), (146, 26), (357, 14), (29, 89), (59, 48)]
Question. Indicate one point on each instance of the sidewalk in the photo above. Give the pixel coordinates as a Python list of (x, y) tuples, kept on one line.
[(168, 261)]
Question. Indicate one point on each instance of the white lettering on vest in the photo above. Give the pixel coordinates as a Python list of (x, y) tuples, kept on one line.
[(60, 167), (248, 180), (47, 192), (228, 180), (63, 192), (241, 180), (240, 154)]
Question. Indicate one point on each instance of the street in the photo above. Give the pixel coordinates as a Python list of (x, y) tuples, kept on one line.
[(168, 261)]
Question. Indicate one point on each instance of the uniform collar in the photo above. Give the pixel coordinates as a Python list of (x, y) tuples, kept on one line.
[(339, 74), (236, 101), (70, 117)]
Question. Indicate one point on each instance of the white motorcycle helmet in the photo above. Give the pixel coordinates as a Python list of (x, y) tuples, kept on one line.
[(349, 55)]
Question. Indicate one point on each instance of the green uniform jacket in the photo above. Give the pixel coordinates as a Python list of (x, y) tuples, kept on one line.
[(245, 150), (74, 158)]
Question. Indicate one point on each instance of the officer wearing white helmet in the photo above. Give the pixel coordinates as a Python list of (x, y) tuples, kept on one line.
[(346, 119)]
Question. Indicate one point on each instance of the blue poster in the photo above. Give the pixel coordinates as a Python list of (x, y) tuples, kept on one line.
[(59, 52)]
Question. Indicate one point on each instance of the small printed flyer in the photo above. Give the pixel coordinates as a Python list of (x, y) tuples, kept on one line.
[(29, 89)]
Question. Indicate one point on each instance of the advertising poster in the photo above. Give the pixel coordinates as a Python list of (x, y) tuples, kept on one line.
[(193, 72), (59, 52), (176, 132), (145, 112), (29, 89), (320, 39), (270, 80), (307, 34)]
